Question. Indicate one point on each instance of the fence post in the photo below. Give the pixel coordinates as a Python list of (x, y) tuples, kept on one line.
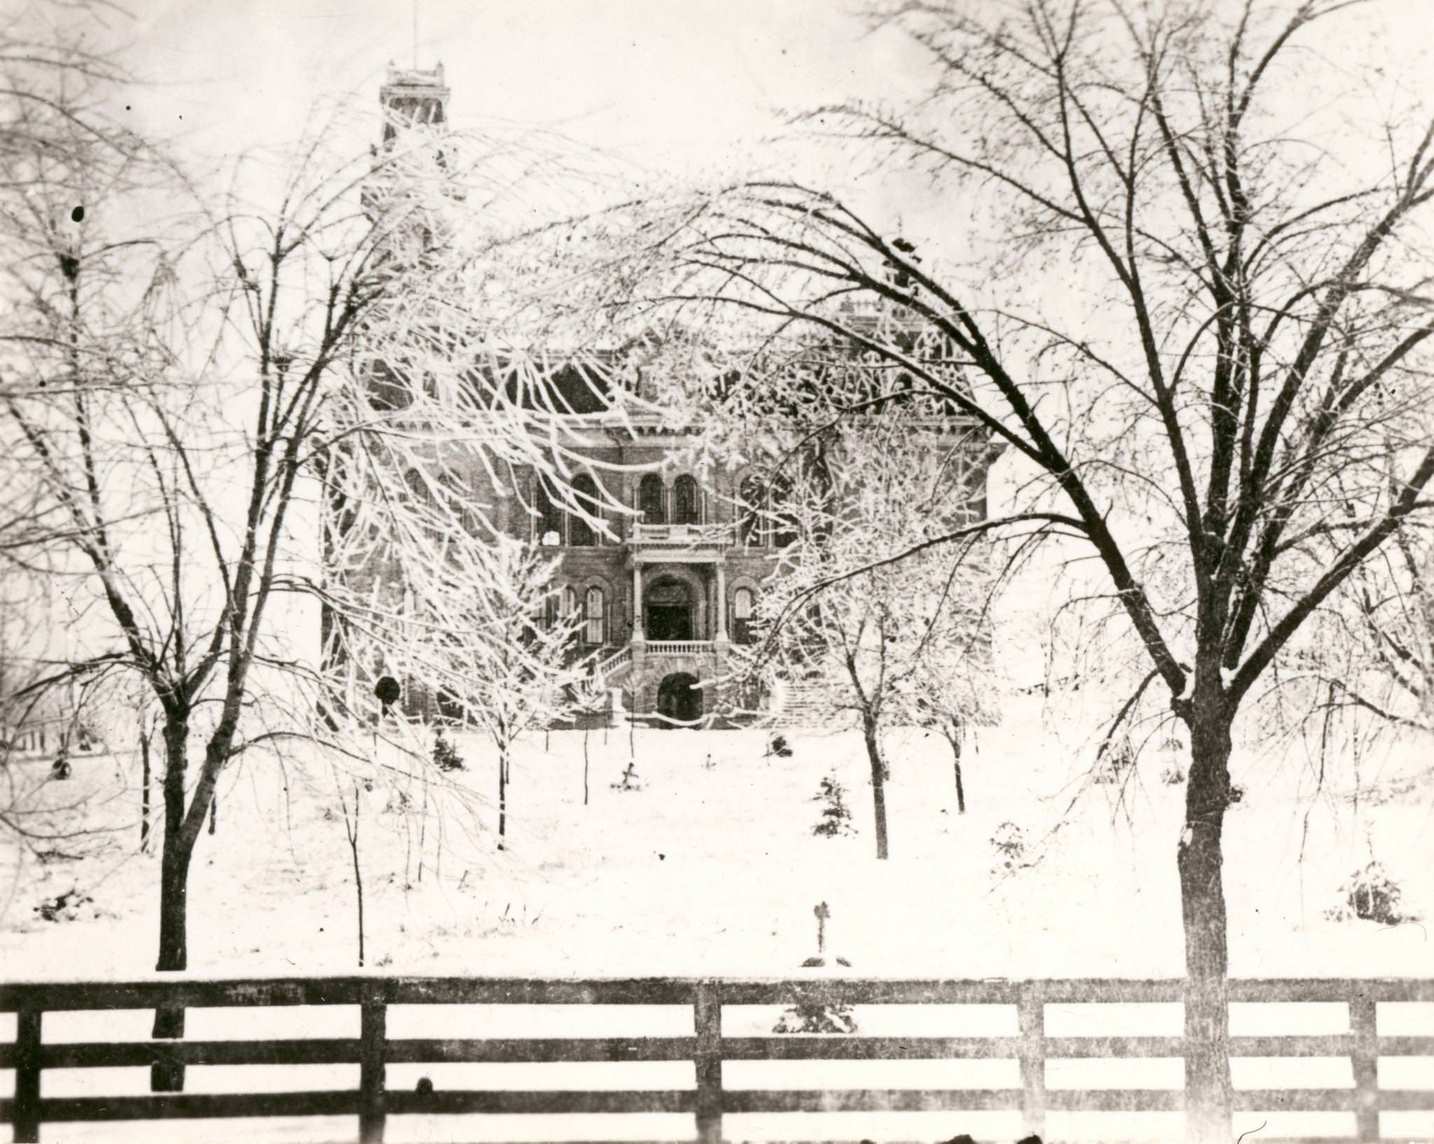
[(1031, 1013), (707, 1021), (25, 1114), (372, 1036), (1362, 1017)]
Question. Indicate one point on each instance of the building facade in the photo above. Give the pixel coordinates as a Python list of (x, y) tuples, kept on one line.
[(666, 590)]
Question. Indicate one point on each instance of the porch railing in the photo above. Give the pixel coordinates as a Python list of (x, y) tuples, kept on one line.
[(610, 666), (685, 535), (679, 647), (707, 1047)]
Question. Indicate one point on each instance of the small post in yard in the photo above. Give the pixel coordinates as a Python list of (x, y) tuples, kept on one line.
[(372, 1037), (1362, 1017), (707, 1021), (822, 912), (25, 1112), (1031, 1013)]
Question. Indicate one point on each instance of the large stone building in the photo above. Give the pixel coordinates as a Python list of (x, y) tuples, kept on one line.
[(667, 595)]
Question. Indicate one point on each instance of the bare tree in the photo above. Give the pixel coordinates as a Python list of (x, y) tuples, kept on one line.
[(861, 607), (473, 624), (180, 391), (1187, 323)]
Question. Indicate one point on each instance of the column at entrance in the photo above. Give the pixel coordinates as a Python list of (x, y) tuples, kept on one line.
[(721, 634), (637, 633)]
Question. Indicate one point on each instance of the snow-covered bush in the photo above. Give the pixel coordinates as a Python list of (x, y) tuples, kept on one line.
[(816, 1017), (779, 747), (1371, 894), (445, 754), (1010, 845), (1115, 763), (1173, 774), (835, 818), (65, 907)]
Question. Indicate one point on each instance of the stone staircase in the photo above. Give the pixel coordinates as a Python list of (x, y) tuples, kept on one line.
[(804, 704)]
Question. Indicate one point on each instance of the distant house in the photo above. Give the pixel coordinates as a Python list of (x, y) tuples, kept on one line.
[(670, 593)]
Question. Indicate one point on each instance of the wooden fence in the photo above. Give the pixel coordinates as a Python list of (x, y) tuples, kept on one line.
[(708, 1048)]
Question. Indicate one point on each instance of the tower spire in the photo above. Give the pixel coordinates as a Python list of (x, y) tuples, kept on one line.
[(413, 97)]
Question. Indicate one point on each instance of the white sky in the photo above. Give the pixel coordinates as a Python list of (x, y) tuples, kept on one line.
[(652, 80), (664, 84)]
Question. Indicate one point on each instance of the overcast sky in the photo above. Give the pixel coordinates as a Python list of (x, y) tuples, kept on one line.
[(656, 81)]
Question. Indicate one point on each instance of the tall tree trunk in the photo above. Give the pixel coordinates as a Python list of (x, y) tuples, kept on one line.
[(351, 829), (1202, 899), (173, 897), (502, 795), (144, 780), (953, 736), (878, 783)]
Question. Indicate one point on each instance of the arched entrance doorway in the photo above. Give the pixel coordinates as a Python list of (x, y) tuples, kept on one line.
[(669, 610), (679, 698)]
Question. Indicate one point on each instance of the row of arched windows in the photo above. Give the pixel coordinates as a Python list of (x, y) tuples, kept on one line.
[(683, 506), (554, 526), (759, 517)]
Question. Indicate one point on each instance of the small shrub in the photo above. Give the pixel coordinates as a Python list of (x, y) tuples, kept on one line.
[(1010, 846), (64, 907), (445, 754), (629, 780), (1173, 774), (1370, 894), (816, 1017), (1115, 762), (778, 746), (835, 818)]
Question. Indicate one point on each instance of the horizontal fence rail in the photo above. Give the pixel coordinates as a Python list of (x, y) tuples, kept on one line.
[(707, 1048)]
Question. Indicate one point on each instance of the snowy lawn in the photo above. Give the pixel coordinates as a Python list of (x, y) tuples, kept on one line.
[(709, 866)]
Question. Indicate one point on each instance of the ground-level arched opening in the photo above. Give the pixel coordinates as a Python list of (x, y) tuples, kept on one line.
[(679, 698)]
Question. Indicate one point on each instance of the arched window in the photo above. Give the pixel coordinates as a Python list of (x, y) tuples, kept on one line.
[(743, 601), (470, 500), (650, 498), (548, 522), (784, 523), (420, 506), (570, 601), (418, 489), (750, 495), (595, 617), (585, 494), (686, 501)]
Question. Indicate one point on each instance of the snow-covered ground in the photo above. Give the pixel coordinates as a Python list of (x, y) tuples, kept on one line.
[(710, 866)]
